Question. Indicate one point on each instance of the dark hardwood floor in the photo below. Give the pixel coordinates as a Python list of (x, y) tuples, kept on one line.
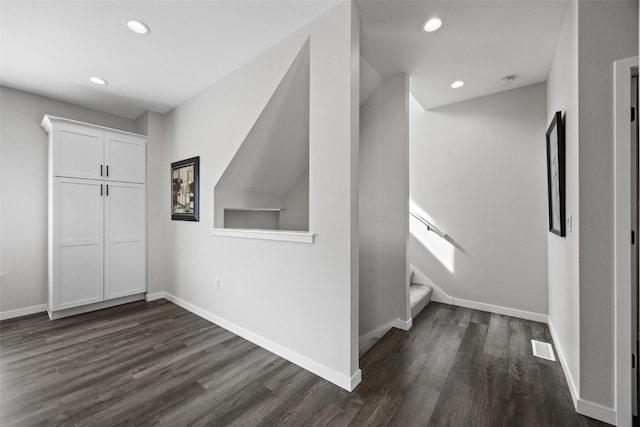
[(155, 363)]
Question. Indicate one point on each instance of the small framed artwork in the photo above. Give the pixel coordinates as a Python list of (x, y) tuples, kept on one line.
[(556, 175), (185, 183)]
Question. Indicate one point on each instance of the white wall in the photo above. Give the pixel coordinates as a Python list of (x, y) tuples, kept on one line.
[(369, 80), (158, 199), (607, 32), (23, 206), (478, 174), (581, 287), (281, 292), (384, 205), (563, 253), (296, 215)]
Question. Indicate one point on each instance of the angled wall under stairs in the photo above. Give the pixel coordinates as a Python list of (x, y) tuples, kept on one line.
[(266, 184)]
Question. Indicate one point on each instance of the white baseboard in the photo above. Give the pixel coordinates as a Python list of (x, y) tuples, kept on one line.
[(10, 314), (441, 296), (154, 296), (563, 362), (513, 312), (599, 412), (404, 325), (355, 380), (346, 382), (368, 340), (584, 407), (377, 334), (95, 306), (19, 312)]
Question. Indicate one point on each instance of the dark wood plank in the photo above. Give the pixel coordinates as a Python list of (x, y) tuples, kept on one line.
[(155, 363)]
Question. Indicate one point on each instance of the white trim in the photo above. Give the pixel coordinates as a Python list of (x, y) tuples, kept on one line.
[(59, 314), (154, 296), (279, 235), (441, 296), (403, 325), (19, 312), (355, 380), (49, 120), (622, 250), (582, 406), (366, 340), (513, 312), (593, 410), (346, 382), (563, 362)]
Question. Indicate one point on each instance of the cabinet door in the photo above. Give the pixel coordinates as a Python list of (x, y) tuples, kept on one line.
[(125, 157), (77, 245), (78, 152), (125, 235)]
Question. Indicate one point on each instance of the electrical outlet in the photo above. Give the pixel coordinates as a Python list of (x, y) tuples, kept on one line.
[(216, 283)]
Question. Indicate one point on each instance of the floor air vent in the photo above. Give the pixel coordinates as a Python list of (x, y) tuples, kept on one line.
[(543, 350)]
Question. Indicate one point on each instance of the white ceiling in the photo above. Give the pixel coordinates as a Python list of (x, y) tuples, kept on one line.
[(52, 47), (480, 42)]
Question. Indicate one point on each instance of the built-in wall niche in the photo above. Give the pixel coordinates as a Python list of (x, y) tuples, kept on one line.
[(264, 219), (266, 184)]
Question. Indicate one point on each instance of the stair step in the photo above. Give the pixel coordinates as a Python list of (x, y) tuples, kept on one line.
[(419, 297)]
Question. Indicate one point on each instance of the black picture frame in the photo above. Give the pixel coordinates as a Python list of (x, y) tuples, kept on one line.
[(185, 189), (556, 177)]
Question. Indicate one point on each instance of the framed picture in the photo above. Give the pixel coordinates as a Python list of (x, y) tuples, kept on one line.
[(556, 175), (185, 183)]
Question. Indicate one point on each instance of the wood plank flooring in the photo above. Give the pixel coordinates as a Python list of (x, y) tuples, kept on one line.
[(155, 363)]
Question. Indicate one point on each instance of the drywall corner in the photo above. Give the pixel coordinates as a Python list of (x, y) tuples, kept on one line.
[(384, 205)]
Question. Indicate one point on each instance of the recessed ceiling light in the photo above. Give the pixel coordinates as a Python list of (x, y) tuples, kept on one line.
[(507, 80), (457, 84), (136, 26), (98, 81), (432, 24)]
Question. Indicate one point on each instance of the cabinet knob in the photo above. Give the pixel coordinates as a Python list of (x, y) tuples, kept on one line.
[(107, 170), (101, 189), (100, 170)]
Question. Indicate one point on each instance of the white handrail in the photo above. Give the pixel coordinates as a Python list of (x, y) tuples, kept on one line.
[(430, 226)]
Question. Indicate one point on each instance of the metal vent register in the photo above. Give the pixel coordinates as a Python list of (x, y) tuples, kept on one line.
[(543, 350)]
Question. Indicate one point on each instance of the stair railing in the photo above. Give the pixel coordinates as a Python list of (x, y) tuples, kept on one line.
[(430, 226)]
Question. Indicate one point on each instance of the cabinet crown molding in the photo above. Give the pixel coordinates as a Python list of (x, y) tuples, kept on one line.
[(48, 121)]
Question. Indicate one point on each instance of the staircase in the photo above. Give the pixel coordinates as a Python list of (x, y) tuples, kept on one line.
[(419, 296)]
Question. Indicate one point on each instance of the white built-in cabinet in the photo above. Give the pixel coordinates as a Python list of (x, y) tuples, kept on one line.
[(97, 215)]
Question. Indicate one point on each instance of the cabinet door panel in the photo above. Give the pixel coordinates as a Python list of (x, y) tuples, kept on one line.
[(78, 153), (78, 237), (125, 228), (125, 158)]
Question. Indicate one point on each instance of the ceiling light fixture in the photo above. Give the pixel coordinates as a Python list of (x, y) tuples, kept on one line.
[(136, 26), (457, 84), (432, 24), (507, 80), (98, 81)]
